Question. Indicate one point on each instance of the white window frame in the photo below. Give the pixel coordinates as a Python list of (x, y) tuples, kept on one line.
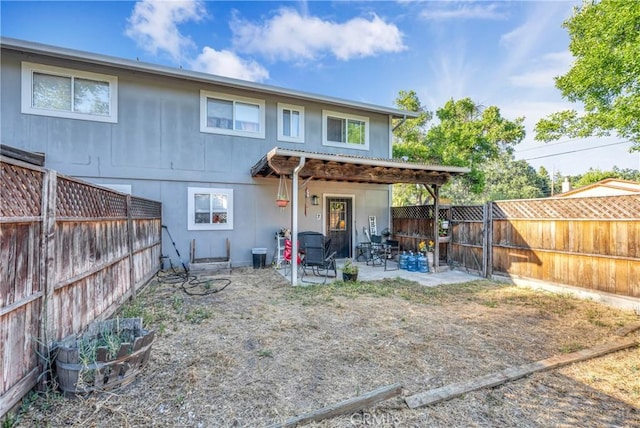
[(191, 223), (281, 137), (29, 68), (233, 98), (328, 113)]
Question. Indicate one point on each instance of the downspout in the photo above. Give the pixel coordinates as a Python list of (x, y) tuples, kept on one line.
[(390, 193), (294, 222)]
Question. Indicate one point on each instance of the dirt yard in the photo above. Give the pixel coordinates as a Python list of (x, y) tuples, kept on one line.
[(260, 352)]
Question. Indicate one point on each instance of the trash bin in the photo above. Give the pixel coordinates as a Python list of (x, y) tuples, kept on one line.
[(259, 257)]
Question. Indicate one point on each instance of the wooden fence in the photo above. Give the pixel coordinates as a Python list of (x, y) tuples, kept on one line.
[(591, 243), (71, 253)]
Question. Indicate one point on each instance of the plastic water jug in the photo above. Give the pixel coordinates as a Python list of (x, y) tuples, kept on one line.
[(423, 266), (412, 263), (403, 260)]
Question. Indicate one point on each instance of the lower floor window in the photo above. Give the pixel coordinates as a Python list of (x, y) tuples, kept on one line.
[(210, 209)]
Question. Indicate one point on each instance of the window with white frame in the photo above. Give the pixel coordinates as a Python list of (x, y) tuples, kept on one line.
[(210, 209), (231, 115), (345, 130), (290, 123), (72, 94)]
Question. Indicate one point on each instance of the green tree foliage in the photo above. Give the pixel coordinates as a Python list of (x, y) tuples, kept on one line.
[(595, 175), (505, 178), (467, 135), (605, 76)]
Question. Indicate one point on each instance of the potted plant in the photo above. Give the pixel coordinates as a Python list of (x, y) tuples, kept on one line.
[(109, 355), (349, 271)]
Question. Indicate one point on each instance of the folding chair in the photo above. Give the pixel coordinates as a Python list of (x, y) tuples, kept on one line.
[(317, 257), (363, 249), (377, 251), (286, 256)]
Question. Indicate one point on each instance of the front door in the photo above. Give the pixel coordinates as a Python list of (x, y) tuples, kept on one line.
[(339, 220)]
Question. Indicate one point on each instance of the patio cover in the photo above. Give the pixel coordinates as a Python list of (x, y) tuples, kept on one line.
[(352, 169)]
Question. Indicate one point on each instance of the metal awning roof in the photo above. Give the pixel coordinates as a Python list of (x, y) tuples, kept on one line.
[(354, 169)]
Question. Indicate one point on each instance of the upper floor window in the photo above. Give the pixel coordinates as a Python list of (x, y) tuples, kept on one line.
[(345, 130), (231, 115), (210, 209), (290, 123), (72, 94)]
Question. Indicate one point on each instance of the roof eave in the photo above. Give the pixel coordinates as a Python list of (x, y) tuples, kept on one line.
[(105, 60)]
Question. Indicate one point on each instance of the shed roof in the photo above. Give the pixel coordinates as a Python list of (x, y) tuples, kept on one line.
[(98, 59)]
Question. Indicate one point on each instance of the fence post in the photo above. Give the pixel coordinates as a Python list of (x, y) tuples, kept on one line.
[(487, 240), (132, 273), (47, 265)]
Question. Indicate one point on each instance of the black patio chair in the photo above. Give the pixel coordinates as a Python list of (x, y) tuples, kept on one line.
[(391, 254), (317, 257), (377, 251)]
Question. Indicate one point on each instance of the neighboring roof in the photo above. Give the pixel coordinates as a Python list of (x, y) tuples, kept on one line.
[(93, 58), (606, 187), (357, 169)]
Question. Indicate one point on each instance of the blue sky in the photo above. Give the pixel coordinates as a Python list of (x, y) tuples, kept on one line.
[(502, 53)]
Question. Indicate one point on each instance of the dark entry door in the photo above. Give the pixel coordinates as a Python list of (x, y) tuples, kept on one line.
[(339, 220)]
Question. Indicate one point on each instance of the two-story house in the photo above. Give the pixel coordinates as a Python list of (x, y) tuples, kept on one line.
[(213, 150)]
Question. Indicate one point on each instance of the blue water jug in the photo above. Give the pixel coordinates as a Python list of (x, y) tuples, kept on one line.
[(403, 260), (412, 263), (423, 266)]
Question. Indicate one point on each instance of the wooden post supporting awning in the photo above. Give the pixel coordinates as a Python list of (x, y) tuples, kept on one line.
[(351, 169)]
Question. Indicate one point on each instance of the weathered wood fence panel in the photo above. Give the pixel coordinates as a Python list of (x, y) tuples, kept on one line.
[(591, 243), (71, 253), (467, 246)]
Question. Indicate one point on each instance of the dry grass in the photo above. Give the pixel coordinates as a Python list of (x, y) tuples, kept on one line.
[(261, 352)]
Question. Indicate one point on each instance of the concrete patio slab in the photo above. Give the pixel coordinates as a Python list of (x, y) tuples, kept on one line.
[(372, 273)]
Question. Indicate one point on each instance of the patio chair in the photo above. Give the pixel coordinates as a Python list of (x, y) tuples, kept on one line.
[(287, 256), (391, 251), (318, 258), (377, 252), (363, 249)]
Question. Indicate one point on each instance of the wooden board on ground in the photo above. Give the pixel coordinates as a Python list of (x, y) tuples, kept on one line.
[(456, 389), (348, 406), (623, 331)]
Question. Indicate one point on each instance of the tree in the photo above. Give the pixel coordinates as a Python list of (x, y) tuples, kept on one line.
[(409, 138), (605, 76), (595, 175), (521, 182), (467, 135)]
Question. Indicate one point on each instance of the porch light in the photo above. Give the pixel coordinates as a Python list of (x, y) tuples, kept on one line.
[(315, 200)]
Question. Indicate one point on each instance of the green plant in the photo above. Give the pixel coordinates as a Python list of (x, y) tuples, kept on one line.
[(265, 353), (349, 267), (198, 315)]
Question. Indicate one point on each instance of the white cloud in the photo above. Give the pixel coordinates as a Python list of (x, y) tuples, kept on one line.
[(227, 63), (289, 36), (463, 11), (544, 71), (154, 25)]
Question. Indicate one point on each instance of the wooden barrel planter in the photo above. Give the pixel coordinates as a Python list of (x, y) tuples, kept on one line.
[(108, 356)]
